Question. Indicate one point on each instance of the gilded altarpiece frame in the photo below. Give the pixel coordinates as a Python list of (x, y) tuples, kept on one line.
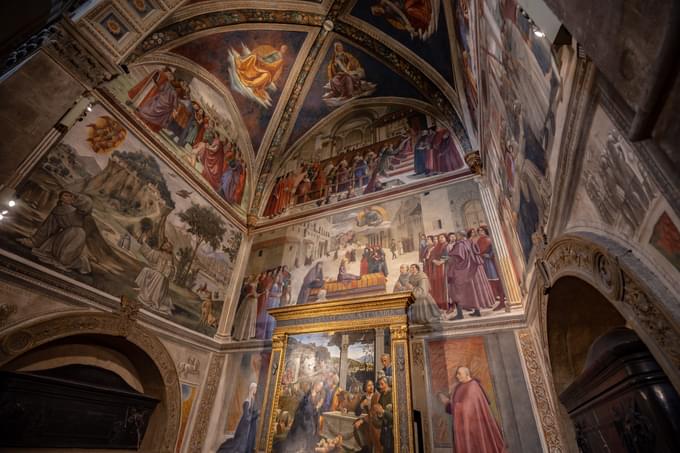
[(384, 316)]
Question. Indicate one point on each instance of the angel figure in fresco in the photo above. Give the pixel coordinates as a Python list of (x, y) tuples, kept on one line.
[(254, 73), (345, 78), (417, 17)]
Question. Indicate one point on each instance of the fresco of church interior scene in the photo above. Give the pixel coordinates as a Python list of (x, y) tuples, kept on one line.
[(437, 244), (102, 209), (192, 121), (367, 149)]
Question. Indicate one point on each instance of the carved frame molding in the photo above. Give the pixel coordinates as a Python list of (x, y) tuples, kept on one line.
[(23, 338)]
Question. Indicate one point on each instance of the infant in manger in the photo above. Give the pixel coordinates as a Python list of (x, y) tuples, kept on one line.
[(329, 445)]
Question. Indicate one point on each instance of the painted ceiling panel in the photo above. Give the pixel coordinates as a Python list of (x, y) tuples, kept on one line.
[(346, 74), (253, 64), (419, 25)]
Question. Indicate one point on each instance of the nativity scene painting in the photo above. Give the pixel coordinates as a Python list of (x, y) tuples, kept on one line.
[(335, 394), (436, 244), (367, 150), (122, 222), (193, 122)]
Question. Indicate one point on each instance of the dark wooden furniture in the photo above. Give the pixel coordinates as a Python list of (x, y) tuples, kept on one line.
[(623, 401), (72, 407)]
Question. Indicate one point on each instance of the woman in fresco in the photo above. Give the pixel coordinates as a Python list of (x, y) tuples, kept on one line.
[(424, 310), (244, 437), (246, 315)]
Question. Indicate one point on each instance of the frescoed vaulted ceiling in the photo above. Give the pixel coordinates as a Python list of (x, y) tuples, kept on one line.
[(321, 100)]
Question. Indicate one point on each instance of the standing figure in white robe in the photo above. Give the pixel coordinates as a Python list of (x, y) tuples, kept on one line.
[(154, 280)]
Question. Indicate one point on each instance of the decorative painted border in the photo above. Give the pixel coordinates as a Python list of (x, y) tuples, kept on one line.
[(200, 428)]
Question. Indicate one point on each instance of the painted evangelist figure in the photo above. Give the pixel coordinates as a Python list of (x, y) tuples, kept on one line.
[(255, 73), (419, 18), (125, 224), (371, 149), (346, 78), (193, 122), (435, 244)]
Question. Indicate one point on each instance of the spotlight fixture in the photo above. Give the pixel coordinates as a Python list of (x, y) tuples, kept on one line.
[(5, 212), (89, 107), (2, 216), (539, 33), (12, 203)]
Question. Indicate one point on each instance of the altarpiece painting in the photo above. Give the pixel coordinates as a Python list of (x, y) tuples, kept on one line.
[(331, 383)]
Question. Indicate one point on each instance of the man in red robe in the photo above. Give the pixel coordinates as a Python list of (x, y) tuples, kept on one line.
[(475, 430), (210, 153), (438, 272)]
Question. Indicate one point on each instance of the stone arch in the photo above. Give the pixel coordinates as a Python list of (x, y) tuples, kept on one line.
[(157, 370), (626, 283)]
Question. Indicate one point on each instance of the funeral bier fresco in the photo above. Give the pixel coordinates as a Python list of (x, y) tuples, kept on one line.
[(119, 220), (436, 244), (365, 150), (335, 394), (193, 122)]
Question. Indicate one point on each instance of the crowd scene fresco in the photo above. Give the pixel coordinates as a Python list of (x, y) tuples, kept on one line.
[(409, 147), (253, 65), (122, 222), (181, 110), (452, 269)]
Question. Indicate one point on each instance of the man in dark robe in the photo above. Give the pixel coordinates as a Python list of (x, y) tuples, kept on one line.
[(475, 430), (244, 436), (313, 279), (61, 240), (384, 417), (468, 286)]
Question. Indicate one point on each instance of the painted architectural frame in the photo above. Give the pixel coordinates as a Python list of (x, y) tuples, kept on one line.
[(383, 316)]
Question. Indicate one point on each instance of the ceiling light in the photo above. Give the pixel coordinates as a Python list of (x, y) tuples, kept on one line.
[(1, 217), (12, 203), (89, 107), (539, 33), (5, 212)]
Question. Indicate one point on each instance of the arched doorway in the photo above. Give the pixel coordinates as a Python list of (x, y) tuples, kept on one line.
[(613, 391), (78, 364)]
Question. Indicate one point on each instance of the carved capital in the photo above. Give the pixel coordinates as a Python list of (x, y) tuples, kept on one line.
[(278, 341), (474, 161), (6, 311), (399, 332)]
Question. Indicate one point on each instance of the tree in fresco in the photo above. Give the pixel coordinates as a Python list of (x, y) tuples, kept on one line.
[(206, 226)]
